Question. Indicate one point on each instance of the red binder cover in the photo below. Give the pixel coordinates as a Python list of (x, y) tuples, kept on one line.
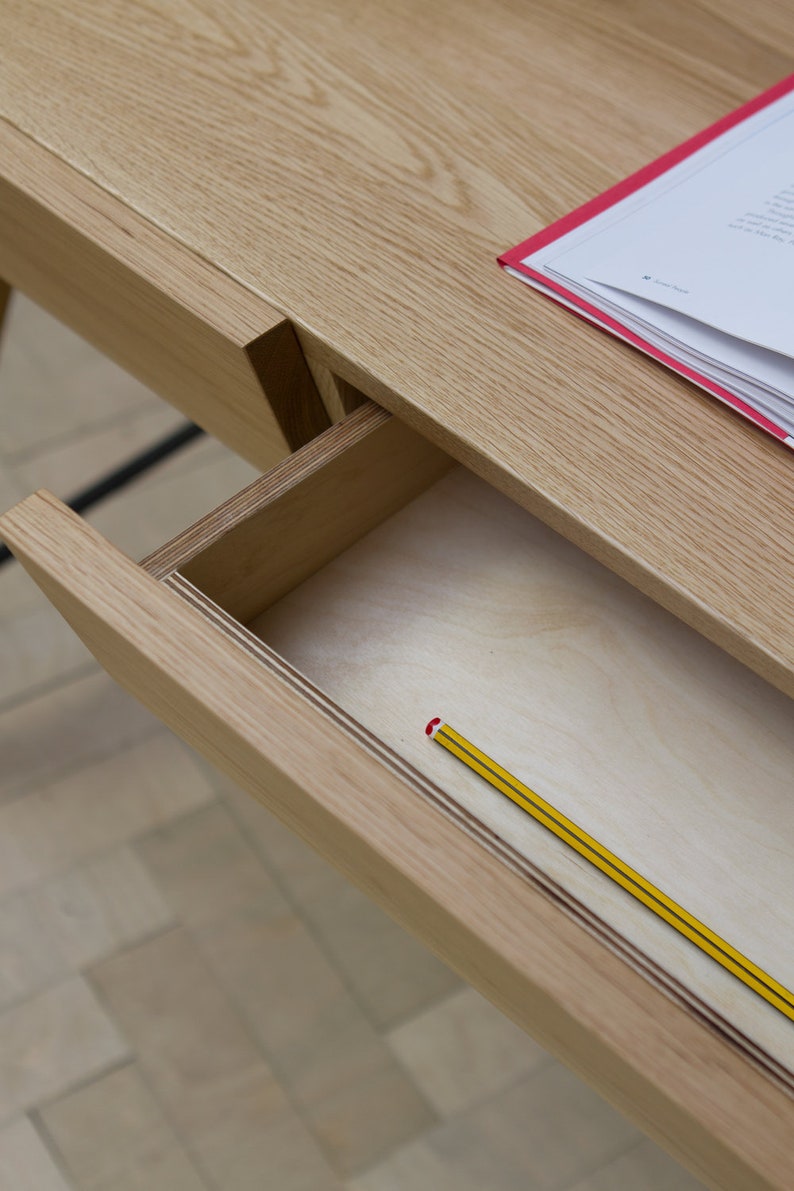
[(595, 206)]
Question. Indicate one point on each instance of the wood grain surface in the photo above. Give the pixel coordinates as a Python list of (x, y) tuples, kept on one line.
[(676, 1074), (462, 604), (651, 739), (219, 353), (359, 168)]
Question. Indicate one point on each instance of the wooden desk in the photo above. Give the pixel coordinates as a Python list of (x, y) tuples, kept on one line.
[(198, 190)]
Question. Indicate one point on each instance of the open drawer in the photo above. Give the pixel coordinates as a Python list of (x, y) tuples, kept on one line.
[(302, 635)]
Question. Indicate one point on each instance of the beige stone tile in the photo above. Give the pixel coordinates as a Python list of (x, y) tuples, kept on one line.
[(85, 719), (391, 974), (54, 384), (25, 1164), (332, 1062), (546, 1133), (96, 808), (644, 1167), (51, 1041), (112, 1135), (463, 1050), (205, 1069)]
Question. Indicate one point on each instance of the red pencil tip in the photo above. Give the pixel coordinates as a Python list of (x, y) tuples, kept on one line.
[(432, 726)]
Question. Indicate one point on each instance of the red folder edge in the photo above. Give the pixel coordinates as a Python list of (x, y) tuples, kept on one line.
[(619, 191)]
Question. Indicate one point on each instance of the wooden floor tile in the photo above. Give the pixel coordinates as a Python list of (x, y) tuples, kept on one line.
[(37, 646), (391, 974), (25, 1164), (644, 1168), (204, 1068), (100, 907), (50, 1042), (79, 722), (325, 1052), (545, 1133), (335, 1067), (205, 867), (52, 930), (104, 804), (463, 1050), (10, 489), (67, 467), (31, 956), (416, 1167), (112, 1135)]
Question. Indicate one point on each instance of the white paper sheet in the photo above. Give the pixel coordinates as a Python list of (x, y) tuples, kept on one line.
[(716, 244)]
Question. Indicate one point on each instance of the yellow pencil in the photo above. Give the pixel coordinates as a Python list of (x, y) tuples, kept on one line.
[(699, 934)]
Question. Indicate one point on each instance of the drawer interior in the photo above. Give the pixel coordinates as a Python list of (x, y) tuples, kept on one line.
[(394, 587)]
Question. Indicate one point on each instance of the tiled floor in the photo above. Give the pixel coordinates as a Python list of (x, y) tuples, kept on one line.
[(190, 1000)]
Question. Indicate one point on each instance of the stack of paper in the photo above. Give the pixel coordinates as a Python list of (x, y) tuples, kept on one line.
[(692, 260)]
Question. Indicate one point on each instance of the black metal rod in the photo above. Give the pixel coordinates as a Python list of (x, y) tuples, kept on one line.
[(116, 479)]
